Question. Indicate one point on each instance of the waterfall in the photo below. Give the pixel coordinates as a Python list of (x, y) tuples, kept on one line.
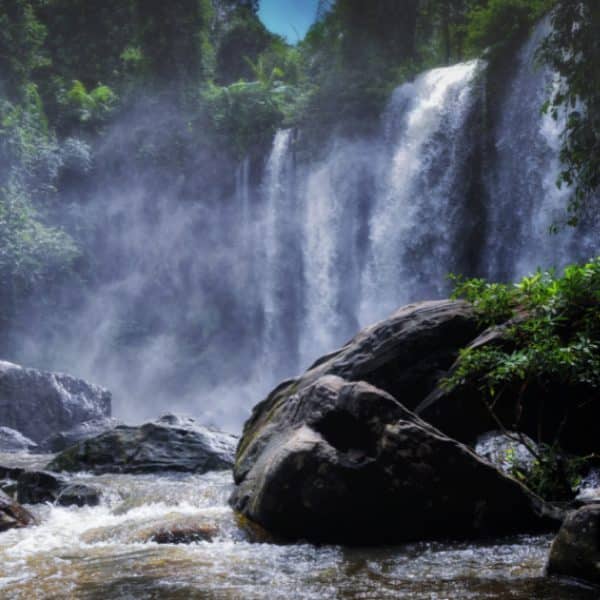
[(378, 223), (279, 267), (419, 210), (333, 196), (209, 294), (242, 190), (523, 200)]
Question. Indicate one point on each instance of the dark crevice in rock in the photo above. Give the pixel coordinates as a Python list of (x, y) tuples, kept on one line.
[(345, 432)]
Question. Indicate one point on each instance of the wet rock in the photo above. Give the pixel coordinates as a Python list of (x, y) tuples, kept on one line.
[(8, 479), (171, 528), (169, 444), (508, 452), (576, 550), (36, 487), (39, 403), (64, 439), (10, 472), (12, 515), (78, 494), (183, 534), (405, 354), (344, 462), (13, 441)]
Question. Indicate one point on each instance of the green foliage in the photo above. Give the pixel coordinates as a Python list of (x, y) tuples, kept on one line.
[(554, 338), (93, 107), (244, 40), (246, 114), (573, 50), (32, 254), (552, 341), (21, 43), (554, 476), (497, 22)]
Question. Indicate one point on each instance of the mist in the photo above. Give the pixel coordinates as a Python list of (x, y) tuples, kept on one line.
[(214, 279)]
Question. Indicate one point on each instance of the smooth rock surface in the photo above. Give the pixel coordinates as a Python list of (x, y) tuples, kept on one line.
[(39, 403), (12, 515), (344, 462), (575, 551), (14, 441), (403, 355), (89, 429), (406, 353), (169, 444)]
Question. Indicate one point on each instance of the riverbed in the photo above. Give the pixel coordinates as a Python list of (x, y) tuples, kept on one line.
[(106, 552)]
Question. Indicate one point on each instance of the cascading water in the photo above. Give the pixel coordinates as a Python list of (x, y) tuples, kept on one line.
[(385, 221), (381, 220), (419, 210), (334, 195), (279, 267), (209, 294), (523, 200)]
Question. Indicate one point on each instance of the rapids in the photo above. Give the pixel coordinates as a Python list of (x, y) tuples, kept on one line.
[(102, 552)]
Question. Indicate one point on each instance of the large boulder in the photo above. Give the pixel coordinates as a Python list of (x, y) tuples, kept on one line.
[(169, 444), (39, 403), (406, 353), (14, 441), (344, 462), (12, 515), (576, 550), (61, 440)]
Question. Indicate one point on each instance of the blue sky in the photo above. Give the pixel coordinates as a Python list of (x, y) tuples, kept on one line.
[(290, 18)]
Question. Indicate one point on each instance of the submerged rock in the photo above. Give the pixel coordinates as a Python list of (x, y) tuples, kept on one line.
[(14, 441), (576, 550), (89, 429), (39, 403), (183, 533), (36, 487), (169, 444), (344, 462), (12, 515)]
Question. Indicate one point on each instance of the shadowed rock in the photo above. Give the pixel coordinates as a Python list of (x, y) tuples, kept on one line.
[(405, 354), (35, 487), (342, 461), (576, 550), (38, 403), (169, 444)]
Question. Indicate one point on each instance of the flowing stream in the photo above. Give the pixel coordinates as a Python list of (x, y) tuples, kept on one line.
[(104, 552)]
